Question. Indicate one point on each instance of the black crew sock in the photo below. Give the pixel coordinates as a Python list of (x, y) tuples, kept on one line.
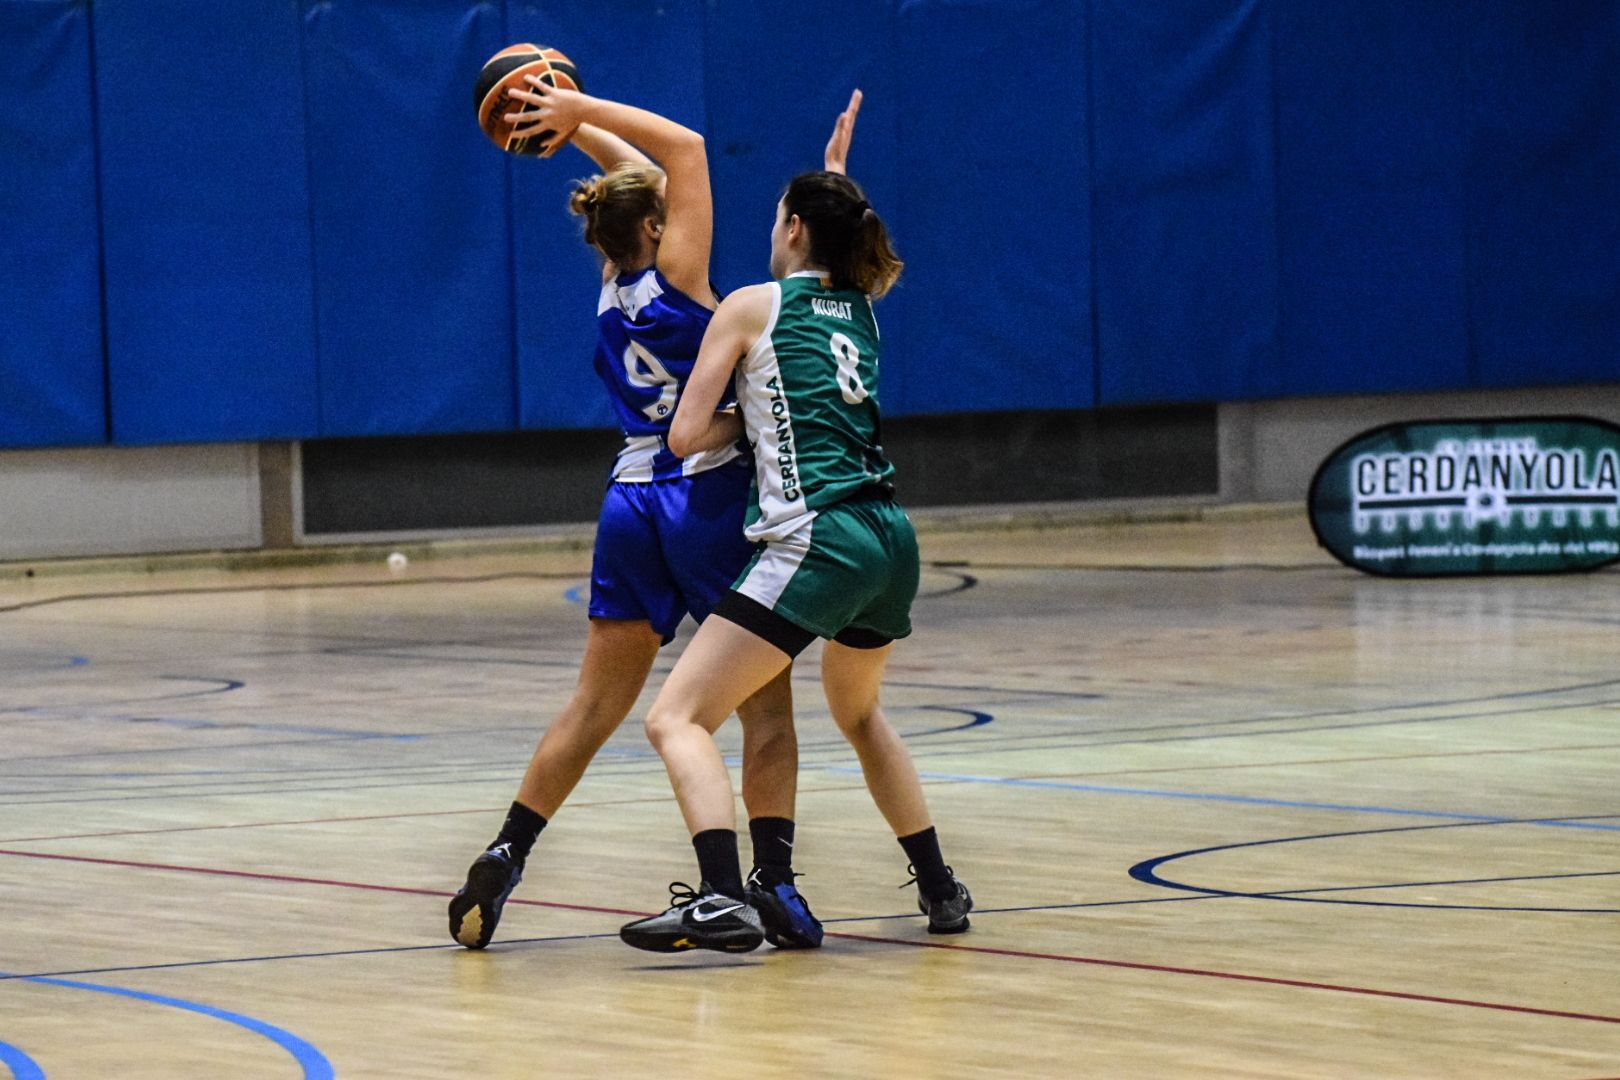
[(934, 879), (773, 849), (718, 861), (519, 832)]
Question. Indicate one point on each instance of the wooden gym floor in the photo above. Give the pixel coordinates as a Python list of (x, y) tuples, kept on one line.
[(1228, 810)]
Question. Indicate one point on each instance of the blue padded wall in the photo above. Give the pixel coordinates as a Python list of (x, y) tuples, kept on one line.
[(773, 95), (206, 221), (1371, 147), (557, 276), (1185, 243), (1100, 202), (1543, 190), (772, 99), (1001, 322), (410, 219), (52, 388)]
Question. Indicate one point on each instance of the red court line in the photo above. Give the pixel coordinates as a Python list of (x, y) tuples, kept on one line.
[(1235, 976), (294, 879), (247, 825), (983, 950)]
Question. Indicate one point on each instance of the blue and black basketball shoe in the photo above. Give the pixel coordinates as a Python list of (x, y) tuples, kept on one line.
[(784, 913)]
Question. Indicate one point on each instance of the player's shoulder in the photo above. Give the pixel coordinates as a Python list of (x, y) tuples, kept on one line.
[(751, 302)]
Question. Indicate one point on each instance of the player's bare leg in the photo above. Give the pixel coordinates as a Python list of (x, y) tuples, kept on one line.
[(852, 679), (724, 666), (618, 656), (770, 776)]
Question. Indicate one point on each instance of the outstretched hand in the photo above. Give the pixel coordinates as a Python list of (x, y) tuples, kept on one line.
[(836, 157), (555, 110)]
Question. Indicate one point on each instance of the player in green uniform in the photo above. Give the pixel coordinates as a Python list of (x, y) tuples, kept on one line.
[(838, 559)]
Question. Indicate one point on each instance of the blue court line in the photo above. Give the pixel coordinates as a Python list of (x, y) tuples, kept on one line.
[(1322, 714), (1261, 734), (21, 1065), (311, 1060), (1246, 800)]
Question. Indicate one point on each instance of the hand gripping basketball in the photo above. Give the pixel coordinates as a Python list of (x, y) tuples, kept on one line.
[(552, 115), (502, 97)]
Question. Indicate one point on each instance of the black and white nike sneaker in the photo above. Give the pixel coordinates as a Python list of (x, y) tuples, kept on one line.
[(476, 909), (700, 919)]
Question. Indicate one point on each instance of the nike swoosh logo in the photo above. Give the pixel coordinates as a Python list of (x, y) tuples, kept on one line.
[(705, 916)]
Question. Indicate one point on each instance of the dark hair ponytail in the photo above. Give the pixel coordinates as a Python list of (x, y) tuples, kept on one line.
[(846, 235)]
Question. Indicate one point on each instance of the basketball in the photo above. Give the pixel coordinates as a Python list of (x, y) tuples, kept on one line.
[(504, 73)]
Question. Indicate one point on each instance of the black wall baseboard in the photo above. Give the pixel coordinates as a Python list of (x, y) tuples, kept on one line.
[(444, 482)]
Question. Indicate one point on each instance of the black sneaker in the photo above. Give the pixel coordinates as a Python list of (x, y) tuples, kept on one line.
[(703, 919), (476, 909), (784, 913), (945, 916)]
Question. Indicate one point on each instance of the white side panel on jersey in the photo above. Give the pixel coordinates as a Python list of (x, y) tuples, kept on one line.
[(768, 423), (635, 462), (769, 578)]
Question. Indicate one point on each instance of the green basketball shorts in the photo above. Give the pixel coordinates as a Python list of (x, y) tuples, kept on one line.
[(853, 567)]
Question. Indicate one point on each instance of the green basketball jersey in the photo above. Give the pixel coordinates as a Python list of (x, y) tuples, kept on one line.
[(808, 393)]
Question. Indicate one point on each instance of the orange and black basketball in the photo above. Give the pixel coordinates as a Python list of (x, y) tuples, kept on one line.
[(504, 73)]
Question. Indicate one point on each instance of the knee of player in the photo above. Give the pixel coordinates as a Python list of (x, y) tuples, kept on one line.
[(770, 739), (662, 723), (767, 724), (859, 724)]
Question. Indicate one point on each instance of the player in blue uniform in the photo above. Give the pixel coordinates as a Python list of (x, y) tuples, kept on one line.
[(669, 538)]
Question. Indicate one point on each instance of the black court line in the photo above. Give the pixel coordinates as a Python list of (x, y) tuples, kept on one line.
[(1147, 871), (993, 745), (923, 753), (295, 956), (1269, 733), (1132, 568), (224, 686)]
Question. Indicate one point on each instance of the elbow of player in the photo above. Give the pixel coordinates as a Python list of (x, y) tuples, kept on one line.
[(680, 442), (688, 145)]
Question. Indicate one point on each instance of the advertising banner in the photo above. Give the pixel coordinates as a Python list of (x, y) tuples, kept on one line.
[(1523, 495)]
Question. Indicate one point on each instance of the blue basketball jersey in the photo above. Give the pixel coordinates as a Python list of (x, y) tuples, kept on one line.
[(649, 333)]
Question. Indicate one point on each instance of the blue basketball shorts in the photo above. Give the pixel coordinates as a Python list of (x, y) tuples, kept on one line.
[(669, 548)]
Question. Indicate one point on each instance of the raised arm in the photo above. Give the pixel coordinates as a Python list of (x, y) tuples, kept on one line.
[(836, 157), (683, 254), (605, 148), (735, 327)]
